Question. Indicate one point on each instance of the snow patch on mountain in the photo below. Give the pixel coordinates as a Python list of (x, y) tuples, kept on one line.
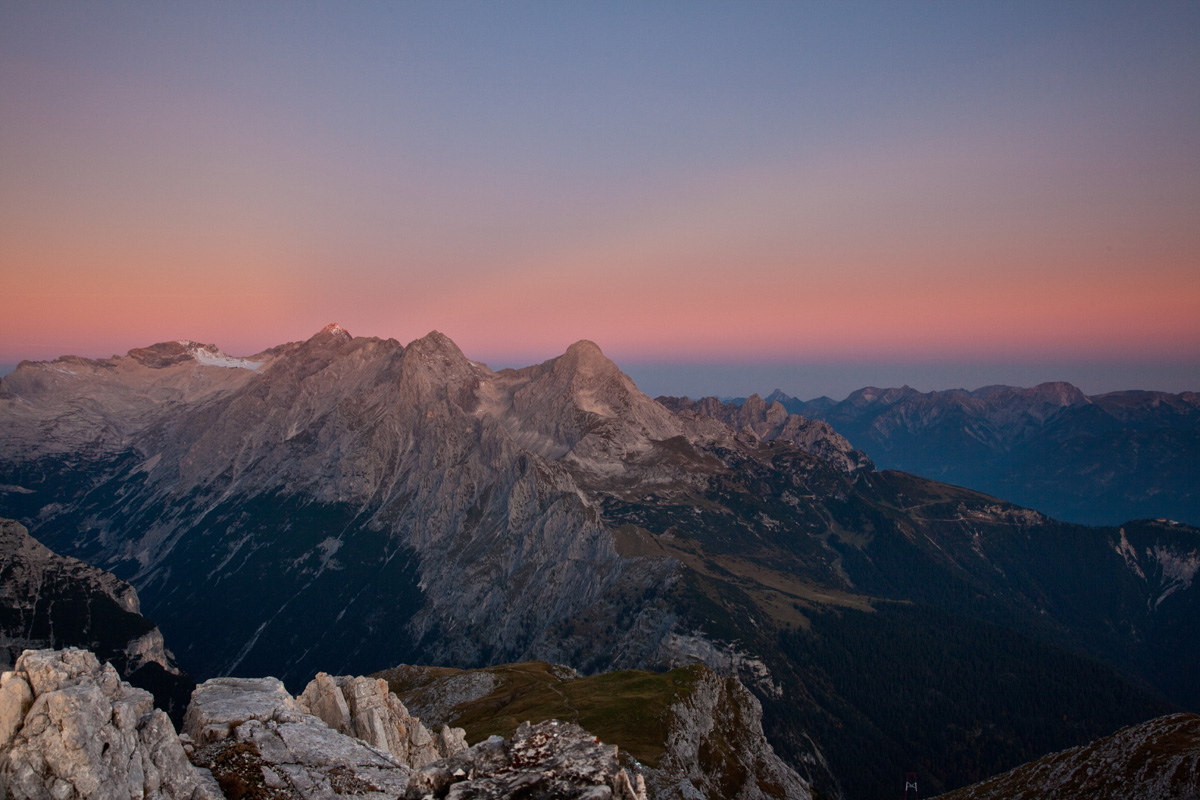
[(210, 356)]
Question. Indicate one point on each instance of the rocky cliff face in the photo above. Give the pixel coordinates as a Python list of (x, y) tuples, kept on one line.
[(771, 422), (1156, 760), (715, 748), (695, 734), (344, 503), (71, 728), (365, 709), (52, 601)]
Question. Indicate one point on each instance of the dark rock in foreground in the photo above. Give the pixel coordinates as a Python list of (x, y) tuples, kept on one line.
[(1156, 760), (52, 601), (549, 760)]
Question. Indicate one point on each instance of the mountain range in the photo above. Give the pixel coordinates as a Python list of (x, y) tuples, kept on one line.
[(345, 504), (1095, 460)]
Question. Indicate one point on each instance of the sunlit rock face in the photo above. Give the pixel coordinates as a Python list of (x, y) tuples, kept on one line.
[(72, 728), (344, 503)]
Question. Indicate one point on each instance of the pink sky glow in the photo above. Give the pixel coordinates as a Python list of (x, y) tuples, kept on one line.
[(770, 183)]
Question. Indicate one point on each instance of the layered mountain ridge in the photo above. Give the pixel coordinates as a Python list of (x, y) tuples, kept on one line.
[(1101, 459), (352, 503)]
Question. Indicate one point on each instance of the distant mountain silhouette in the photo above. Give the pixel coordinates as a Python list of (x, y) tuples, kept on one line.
[(1093, 460)]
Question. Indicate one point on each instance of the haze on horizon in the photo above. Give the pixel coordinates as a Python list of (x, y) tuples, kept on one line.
[(814, 196)]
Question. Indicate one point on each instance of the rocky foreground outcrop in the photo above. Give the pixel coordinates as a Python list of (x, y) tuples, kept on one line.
[(255, 738), (697, 735), (549, 760), (49, 601), (1156, 760), (258, 739), (365, 708), (71, 728)]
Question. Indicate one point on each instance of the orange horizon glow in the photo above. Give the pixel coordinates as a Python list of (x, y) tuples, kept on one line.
[(824, 188)]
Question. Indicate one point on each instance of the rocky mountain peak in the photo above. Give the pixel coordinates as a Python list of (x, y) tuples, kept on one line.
[(754, 404), (872, 394), (585, 360), (1060, 393), (770, 421), (779, 396), (434, 360), (586, 349), (163, 354), (436, 344), (335, 330), (586, 377), (331, 337), (166, 354)]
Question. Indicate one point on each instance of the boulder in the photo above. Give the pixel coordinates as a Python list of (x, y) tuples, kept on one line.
[(365, 708), (220, 705), (71, 728), (259, 741), (551, 759)]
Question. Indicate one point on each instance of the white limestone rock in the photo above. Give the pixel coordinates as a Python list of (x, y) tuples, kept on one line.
[(15, 699), (250, 730), (220, 705), (365, 708), (84, 733)]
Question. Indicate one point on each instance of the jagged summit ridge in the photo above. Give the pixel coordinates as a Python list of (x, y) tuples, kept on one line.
[(1099, 459), (333, 329), (357, 502), (482, 477)]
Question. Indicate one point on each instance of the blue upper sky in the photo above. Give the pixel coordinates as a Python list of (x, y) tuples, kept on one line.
[(834, 194)]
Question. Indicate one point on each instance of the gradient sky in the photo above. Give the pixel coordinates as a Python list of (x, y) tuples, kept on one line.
[(727, 197)]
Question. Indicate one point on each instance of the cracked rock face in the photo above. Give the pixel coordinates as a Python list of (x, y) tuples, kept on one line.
[(1155, 760), (716, 748), (252, 734), (549, 760), (364, 708), (71, 728)]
